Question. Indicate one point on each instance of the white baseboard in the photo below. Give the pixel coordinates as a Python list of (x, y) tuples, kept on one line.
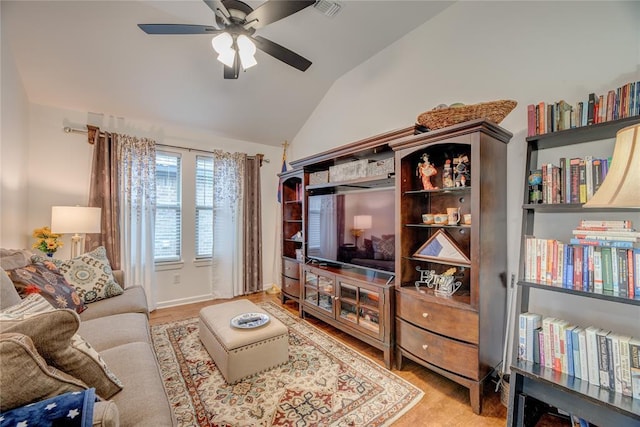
[(183, 301)]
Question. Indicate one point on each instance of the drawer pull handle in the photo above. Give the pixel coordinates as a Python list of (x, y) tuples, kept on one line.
[(425, 346), (425, 315)]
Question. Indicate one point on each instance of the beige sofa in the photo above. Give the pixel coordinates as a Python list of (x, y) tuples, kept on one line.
[(118, 329)]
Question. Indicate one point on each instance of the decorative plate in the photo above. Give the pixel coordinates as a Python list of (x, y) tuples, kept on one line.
[(250, 320)]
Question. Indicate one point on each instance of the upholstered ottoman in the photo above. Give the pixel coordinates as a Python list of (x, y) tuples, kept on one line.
[(238, 352)]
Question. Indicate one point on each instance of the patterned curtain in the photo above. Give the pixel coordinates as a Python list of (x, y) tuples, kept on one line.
[(137, 160), (227, 263), (103, 193), (252, 226)]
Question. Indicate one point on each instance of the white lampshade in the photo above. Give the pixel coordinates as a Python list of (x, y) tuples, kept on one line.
[(621, 186), (75, 219), (362, 222), (246, 50)]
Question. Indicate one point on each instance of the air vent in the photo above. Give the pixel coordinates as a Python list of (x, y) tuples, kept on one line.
[(327, 7)]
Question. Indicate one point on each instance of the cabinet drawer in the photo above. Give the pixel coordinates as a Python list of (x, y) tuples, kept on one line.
[(290, 269), (454, 356), (291, 286), (445, 320)]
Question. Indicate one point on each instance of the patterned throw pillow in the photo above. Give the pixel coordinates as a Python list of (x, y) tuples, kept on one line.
[(44, 278), (90, 274), (384, 247), (54, 336)]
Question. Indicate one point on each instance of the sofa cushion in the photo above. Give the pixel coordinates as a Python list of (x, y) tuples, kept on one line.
[(136, 364), (44, 278), (112, 331), (90, 274), (26, 377), (54, 335), (8, 294), (132, 300)]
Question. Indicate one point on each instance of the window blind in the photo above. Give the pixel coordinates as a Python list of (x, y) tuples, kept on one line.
[(204, 206), (168, 207)]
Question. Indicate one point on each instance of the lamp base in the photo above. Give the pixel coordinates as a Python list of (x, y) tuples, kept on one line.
[(76, 245)]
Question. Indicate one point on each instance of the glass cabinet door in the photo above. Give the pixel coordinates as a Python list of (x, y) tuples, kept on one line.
[(318, 290), (369, 313), (360, 306)]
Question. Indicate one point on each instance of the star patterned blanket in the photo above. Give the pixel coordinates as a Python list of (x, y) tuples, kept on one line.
[(69, 409)]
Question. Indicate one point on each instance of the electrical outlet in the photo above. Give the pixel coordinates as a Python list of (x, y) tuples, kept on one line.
[(176, 279)]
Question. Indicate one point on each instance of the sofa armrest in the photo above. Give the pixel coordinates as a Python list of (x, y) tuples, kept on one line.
[(132, 300), (105, 414)]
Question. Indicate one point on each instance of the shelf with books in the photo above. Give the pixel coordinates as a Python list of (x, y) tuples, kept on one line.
[(568, 231)]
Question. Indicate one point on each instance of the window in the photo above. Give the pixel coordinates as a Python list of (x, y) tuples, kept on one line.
[(168, 207), (313, 222), (204, 207)]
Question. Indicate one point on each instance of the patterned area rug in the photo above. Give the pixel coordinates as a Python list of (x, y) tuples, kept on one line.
[(325, 383)]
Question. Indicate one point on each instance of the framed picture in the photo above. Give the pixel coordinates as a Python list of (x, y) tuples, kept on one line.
[(441, 247)]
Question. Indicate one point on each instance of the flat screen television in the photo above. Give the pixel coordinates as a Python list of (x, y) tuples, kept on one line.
[(353, 228)]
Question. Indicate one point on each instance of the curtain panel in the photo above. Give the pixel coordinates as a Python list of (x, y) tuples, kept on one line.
[(252, 226), (103, 193)]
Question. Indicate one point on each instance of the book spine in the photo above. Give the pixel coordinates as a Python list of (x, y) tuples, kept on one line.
[(536, 345), (531, 120), (577, 266), (584, 364), (631, 290), (604, 223), (611, 96), (548, 350), (588, 168), (603, 358), (634, 354), (541, 345), (597, 270), (623, 272), (591, 109), (636, 269), (614, 271), (541, 118), (593, 356), (574, 171), (625, 366), (575, 353), (604, 243), (607, 270), (614, 357), (583, 181), (568, 347)]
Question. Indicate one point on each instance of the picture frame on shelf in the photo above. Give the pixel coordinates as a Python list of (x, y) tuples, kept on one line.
[(442, 248)]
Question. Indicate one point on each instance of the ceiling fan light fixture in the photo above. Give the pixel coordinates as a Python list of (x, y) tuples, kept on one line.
[(247, 50), (222, 43)]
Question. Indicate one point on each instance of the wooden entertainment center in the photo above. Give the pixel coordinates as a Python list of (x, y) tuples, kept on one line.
[(406, 313)]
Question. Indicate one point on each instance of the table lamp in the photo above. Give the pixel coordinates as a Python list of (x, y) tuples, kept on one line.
[(77, 220), (360, 223)]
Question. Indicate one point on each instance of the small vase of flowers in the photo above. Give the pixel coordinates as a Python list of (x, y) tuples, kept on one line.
[(46, 241)]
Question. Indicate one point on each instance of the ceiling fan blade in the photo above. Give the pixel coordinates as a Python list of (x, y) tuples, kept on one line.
[(178, 29), (218, 8), (274, 10), (282, 53), (233, 72)]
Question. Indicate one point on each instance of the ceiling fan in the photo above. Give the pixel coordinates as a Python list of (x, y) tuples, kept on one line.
[(234, 28)]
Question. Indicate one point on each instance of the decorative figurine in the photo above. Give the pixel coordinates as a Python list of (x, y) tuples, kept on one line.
[(443, 285), (425, 171), (462, 174), (447, 176)]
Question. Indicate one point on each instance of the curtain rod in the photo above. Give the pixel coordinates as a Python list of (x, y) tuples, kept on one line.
[(68, 129)]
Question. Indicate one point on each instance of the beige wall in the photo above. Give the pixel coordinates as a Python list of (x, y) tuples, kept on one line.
[(13, 154)]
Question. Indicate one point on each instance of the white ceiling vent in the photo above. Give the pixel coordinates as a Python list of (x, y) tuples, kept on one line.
[(328, 7)]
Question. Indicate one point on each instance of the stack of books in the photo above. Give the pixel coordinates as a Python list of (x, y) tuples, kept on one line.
[(604, 358)]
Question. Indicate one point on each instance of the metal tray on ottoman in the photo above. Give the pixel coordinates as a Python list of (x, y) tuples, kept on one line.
[(241, 352)]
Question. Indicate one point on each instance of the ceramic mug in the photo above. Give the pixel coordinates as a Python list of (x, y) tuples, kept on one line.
[(453, 216), (440, 218), (466, 219), (428, 218)]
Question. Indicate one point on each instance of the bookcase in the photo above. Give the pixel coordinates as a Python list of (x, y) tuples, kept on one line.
[(292, 185), (458, 336), (532, 385)]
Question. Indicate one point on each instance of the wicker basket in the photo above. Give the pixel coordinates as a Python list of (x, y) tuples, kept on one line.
[(495, 111)]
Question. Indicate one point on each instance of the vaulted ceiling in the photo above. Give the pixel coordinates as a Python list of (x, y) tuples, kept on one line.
[(91, 56)]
